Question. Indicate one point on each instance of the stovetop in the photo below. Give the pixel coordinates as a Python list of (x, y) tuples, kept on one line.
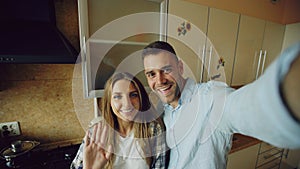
[(58, 158)]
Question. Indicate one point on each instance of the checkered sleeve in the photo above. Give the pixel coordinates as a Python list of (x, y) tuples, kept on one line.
[(161, 153), (77, 163)]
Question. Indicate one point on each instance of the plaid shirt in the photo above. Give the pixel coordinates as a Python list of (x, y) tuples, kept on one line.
[(159, 161)]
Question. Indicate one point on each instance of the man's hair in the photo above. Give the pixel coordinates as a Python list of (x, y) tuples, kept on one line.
[(157, 47)]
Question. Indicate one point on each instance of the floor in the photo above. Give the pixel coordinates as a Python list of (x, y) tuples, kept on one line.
[(286, 166)]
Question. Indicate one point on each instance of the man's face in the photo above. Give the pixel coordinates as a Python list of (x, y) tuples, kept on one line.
[(164, 76)]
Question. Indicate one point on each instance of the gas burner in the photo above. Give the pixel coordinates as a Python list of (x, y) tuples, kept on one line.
[(58, 158)]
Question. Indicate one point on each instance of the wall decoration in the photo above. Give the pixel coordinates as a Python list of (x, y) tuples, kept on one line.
[(184, 28)]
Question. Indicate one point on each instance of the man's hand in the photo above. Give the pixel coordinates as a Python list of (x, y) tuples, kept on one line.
[(94, 154), (291, 88)]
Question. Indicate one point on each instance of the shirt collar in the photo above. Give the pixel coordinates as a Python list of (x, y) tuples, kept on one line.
[(186, 94)]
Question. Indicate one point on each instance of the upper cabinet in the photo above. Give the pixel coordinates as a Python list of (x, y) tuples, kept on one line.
[(259, 42), (215, 44), (112, 36), (222, 34), (186, 28), (95, 15), (272, 43), (248, 49)]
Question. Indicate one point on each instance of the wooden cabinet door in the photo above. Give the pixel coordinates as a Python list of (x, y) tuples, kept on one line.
[(188, 42), (243, 159), (272, 43), (249, 43), (222, 34)]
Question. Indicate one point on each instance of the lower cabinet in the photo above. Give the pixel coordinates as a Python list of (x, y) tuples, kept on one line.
[(243, 159), (269, 157)]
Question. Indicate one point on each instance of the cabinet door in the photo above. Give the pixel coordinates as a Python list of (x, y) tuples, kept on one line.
[(188, 41), (272, 43), (243, 159), (249, 43), (222, 34), (83, 22)]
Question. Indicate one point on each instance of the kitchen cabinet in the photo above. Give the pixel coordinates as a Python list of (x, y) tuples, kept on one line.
[(269, 157), (291, 35), (258, 44), (187, 27), (273, 40), (94, 14), (249, 42), (112, 35), (233, 48), (222, 34), (245, 158)]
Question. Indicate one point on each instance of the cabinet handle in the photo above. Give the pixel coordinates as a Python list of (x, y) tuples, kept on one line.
[(209, 60), (85, 71), (202, 64), (84, 45), (263, 64), (96, 112), (258, 65)]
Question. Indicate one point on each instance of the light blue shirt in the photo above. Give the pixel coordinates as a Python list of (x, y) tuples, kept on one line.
[(200, 128)]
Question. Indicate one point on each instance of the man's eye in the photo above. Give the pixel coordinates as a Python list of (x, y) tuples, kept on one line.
[(150, 75), (167, 70)]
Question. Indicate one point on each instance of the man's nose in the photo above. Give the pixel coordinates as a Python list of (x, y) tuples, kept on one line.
[(161, 79)]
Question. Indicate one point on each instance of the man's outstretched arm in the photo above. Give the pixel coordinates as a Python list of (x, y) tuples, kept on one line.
[(291, 88)]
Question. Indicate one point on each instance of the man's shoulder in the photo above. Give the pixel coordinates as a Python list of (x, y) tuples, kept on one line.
[(213, 86)]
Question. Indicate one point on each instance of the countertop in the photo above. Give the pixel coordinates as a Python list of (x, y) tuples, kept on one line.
[(241, 142)]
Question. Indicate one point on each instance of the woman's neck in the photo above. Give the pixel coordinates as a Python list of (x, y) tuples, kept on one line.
[(125, 127)]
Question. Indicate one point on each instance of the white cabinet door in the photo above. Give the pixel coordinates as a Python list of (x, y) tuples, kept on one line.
[(222, 34), (243, 159), (248, 50), (187, 26)]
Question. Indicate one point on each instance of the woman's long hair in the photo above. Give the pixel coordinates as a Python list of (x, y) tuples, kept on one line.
[(146, 114)]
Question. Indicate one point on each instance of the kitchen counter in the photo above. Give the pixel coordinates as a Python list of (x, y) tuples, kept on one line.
[(241, 142), (61, 144)]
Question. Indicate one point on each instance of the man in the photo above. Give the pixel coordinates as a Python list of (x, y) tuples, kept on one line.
[(201, 118)]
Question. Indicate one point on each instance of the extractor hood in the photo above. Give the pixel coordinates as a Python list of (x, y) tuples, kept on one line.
[(29, 34)]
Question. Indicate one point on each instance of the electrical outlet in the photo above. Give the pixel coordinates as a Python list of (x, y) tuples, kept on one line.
[(10, 129)]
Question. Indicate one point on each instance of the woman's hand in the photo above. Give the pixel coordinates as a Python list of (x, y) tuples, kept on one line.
[(94, 154)]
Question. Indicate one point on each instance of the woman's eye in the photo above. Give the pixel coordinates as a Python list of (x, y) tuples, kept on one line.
[(135, 94), (117, 97)]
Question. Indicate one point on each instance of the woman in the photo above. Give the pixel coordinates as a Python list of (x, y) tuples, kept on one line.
[(129, 134)]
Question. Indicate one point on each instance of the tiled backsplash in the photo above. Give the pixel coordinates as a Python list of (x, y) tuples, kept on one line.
[(39, 96)]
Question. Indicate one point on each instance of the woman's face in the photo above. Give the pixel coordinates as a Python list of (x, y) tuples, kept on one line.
[(125, 100)]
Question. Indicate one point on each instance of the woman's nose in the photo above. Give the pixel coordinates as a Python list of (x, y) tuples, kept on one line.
[(127, 102)]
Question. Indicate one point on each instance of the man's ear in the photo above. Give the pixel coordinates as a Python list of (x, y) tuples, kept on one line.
[(180, 67)]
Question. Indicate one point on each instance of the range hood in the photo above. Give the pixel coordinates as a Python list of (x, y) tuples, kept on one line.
[(29, 34)]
